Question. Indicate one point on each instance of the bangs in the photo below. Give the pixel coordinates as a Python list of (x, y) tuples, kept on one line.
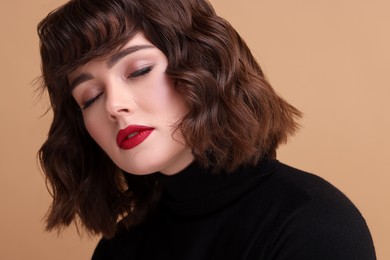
[(82, 30)]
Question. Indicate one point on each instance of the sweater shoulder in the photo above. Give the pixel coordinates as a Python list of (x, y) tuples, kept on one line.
[(287, 182), (309, 212)]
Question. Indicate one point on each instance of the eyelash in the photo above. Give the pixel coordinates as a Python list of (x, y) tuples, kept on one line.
[(140, 72), (91, 101), (135, 74)]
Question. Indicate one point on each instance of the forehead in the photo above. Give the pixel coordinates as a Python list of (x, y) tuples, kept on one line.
[(83, 73), (135, 43)]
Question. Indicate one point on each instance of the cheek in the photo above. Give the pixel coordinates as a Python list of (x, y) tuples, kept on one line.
[(159, 94), (96, 128), (170, 100)]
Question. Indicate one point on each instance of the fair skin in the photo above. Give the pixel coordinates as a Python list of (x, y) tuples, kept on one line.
[(121, 92)]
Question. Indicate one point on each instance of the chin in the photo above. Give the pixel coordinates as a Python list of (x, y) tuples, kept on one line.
[(142, 169), (139, 171)]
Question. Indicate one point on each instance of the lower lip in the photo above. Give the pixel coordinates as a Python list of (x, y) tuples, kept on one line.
[(135, 140)]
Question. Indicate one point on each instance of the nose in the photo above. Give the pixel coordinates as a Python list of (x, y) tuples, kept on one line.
[(118, 102)]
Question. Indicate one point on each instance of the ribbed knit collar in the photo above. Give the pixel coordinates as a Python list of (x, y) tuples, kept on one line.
[(194, 191)]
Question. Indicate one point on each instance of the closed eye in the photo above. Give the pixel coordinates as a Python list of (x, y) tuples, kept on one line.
[(140, 72), (91, 101)]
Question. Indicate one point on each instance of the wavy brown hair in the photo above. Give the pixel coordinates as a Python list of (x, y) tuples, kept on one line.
[(235, 117)]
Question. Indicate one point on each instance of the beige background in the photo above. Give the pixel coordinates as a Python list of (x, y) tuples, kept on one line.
[(329, 58)]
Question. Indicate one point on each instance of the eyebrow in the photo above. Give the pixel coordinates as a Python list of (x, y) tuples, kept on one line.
[(114, 59), (80, 79), (123, 53)]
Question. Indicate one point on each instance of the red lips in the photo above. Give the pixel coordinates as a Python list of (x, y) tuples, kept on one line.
[(132, 136)]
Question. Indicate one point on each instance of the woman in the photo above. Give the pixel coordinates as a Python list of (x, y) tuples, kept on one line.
[(164, 141)]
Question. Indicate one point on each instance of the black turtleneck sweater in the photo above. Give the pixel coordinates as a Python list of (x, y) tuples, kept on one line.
[(271, 211)]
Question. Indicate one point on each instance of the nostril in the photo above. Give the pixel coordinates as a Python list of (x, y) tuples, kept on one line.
[(115, 112), (123, 110), (118, 105)]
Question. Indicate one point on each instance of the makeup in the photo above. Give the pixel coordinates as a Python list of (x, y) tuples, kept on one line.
[(132, 136)]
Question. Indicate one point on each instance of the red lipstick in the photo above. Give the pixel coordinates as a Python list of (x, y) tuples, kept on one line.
[(132, 136)]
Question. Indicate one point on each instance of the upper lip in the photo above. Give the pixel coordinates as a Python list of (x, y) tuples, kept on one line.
[(131, 129)]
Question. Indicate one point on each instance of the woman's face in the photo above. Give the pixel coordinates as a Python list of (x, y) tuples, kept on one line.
[(130, 107)]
